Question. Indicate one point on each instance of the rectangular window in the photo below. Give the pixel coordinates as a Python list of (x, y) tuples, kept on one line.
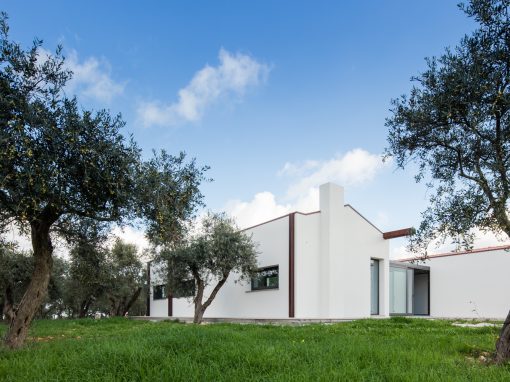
[(267, 278), (159, 292)]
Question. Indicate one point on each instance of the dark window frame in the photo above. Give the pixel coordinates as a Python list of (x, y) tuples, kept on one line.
[(161, 294), (266, 287)]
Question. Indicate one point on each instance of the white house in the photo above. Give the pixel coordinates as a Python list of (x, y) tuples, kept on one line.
[(334, 264)]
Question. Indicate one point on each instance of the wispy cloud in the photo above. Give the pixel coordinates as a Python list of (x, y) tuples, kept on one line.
[(92, 78), (235, 73), (352, 168)]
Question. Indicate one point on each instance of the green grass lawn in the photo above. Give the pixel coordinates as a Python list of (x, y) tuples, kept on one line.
[(399, 349)]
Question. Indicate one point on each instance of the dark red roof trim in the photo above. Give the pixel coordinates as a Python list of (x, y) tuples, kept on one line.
[(280, 217), (447, 254), (398, 233)]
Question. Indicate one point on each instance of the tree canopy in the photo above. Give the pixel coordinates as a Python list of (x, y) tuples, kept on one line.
[(65, 169), (168, 196), (59, 163), (455, 124)]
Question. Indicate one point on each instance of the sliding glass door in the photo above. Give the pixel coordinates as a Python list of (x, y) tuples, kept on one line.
[(398, 290), (374, 286)]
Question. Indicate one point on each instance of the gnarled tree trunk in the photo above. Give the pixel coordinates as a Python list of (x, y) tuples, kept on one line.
[(199, 306), (503, 343), (84, 307), (37, 289), (130, 303)]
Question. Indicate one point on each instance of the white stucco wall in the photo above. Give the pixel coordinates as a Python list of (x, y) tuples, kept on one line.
[(307, 274), (236, 300), (362, 243), (158, 308), (332, 253), (474, 285), (347, 242)]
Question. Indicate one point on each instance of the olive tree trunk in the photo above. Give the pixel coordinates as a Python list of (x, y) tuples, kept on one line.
[(200, 306), (133, 299), (37, 289), (503, 342), (84, 307)]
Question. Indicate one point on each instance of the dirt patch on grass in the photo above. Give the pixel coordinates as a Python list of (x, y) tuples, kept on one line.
[(52, 338)]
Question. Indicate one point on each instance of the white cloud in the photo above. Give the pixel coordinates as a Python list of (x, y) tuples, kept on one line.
[(262, 207), (353, 168), (91, 78), (235, 73)]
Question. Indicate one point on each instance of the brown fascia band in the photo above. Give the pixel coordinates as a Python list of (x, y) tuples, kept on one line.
[(148, 307), (170, 305), (399, 233), (291, 263)]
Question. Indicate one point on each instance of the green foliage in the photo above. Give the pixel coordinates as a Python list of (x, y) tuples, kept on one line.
[(55, 306), (110, 281), (16, 269), (455, 124), (218, 250), (168, 196), (87, 277), (367, 350), (94, 279), (125, 277), (59, 162)]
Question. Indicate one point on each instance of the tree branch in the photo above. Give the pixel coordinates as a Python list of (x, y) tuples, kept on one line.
[(215, 290)]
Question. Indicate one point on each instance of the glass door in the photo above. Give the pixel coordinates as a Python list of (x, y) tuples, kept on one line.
[(398, 290), (374, 286)]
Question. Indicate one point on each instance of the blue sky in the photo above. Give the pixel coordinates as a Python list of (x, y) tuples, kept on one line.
[(276, 97)]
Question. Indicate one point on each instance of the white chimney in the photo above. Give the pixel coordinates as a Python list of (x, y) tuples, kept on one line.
[(332, 232)]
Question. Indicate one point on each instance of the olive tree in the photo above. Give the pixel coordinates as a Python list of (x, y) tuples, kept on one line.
[(58, 163), (87, 277), (208, 259), (15, 270), (124, 278), (455, 124)]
